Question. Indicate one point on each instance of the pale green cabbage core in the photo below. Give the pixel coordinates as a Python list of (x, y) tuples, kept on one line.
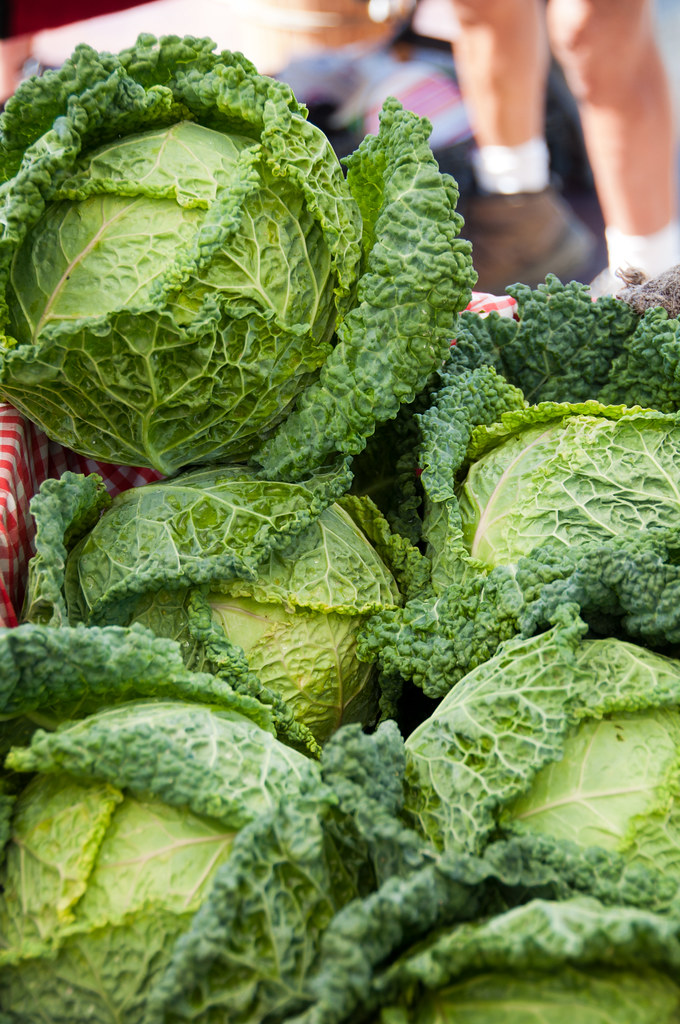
[(307, 657), (97, 887), (580, 478), (616, 786), (133, 227), (298, 622), (565, 995), (86, 854)]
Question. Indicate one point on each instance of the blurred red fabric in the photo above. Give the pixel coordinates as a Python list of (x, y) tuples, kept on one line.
[(28, 18)]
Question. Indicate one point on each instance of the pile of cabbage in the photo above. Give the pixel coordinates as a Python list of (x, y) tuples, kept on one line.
[(369, 710)]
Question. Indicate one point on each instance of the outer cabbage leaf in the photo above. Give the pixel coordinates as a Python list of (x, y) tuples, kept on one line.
[(409, 567), (417, 277), (434, 640), (454, 894), (627, 588), (189, 755), (447, 428), (328, 565), (7, 800), (50, 674), (387, 470), (246, 955), (611, 962), (632, 997), (561, 347), (647, 371), (63, 511), (209, 524), (564, 347), (256, 941)]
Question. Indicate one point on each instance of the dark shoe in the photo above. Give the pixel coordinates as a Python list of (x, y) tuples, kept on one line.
[(524, 237)]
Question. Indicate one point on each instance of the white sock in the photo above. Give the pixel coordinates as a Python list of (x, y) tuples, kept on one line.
[(650, 253), (512, 169)]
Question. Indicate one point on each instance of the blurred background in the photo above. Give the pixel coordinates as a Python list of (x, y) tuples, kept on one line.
[(342, 58)]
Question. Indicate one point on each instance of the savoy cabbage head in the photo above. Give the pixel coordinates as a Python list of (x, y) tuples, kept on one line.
[(182, 259), (575, 739), (116, 842), (502, 477), (162, 854), (531, 513), (265, 583)]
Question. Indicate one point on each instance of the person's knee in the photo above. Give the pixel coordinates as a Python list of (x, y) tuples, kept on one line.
[(597, 42)]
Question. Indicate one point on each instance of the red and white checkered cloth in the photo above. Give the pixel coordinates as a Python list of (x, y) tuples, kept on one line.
[(27, 457), (485, 303)]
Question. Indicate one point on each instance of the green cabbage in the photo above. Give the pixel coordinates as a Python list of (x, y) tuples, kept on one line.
[(575, 739), (265, 582), (502, 477), (182, 260), (571, 475), (115, 845), (135, 269)]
